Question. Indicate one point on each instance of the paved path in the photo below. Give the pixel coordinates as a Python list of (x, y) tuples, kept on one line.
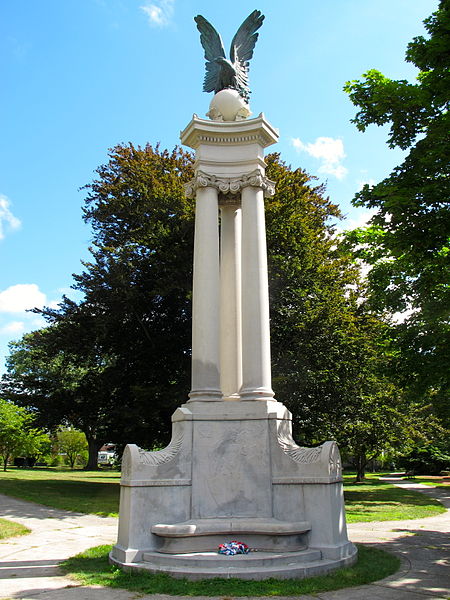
[(29, 571)]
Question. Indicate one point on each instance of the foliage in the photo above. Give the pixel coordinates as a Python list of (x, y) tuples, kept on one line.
[(387, 422), (73, 444), (117, 364), (64, 380), (329, 349), (407, 242), (92, 568), (429, 459), (17, 436)]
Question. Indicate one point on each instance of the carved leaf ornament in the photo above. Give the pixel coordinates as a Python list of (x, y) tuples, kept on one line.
[(228, 185)]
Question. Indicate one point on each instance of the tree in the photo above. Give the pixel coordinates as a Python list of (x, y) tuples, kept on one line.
[(117, 364), (17, 436), (407, 242), (328, 355), (62, 375), (72, 443)]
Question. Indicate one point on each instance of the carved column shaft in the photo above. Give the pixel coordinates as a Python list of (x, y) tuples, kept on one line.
[(205, 298), (256, 367), (230, 336), (230, 302)]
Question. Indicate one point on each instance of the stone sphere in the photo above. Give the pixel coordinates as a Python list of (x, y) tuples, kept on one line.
[(228, 105)]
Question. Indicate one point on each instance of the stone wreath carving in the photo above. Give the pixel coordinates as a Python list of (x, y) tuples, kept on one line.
[(230, 185), (159, 457), (335, 464)]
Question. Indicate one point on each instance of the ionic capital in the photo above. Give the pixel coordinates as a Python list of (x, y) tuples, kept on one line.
[(230, 185)]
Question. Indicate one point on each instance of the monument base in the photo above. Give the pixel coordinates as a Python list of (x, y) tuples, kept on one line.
[(233, 472), (254, 566)]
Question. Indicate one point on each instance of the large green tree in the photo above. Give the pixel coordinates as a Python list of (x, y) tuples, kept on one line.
[(116, 364), (407, 242), (121, 357)]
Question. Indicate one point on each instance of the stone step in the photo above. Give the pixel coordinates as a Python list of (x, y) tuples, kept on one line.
[(290, 569), (213, 560)]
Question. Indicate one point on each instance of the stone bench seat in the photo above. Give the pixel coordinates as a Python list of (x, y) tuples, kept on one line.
[(227, 526)]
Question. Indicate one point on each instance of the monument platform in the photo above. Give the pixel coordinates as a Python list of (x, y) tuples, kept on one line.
[(233, 471)]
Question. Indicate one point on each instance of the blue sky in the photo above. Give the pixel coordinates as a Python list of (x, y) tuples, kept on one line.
[(80, 76)]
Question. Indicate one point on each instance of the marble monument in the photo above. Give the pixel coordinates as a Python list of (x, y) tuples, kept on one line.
[(232, 470)]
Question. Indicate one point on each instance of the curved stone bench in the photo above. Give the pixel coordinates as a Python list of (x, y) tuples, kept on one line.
[(203, 535)]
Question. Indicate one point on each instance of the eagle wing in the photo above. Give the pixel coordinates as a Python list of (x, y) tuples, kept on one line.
[(213, 47), (242, 47)]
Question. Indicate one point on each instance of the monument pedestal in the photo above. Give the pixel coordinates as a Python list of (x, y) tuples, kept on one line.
[(233, 471)]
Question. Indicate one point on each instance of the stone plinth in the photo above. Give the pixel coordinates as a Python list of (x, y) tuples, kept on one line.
[(233, 471)]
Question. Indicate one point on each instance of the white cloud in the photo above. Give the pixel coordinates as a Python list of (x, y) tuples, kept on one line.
[(362, 182), (329, 151), (357, 220), (21, 297), (7, 219), (39, 323), (53, 303), (13, 328), (159, 12)]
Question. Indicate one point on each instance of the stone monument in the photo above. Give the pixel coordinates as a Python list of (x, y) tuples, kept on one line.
[(232, 470)]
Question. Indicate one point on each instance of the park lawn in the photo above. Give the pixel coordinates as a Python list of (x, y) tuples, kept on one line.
[(97, 492), (11, 529), (92, 568), (94, 492), (375, 500), (431, 481)]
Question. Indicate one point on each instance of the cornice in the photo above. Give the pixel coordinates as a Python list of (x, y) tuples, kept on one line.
[(248, 131)]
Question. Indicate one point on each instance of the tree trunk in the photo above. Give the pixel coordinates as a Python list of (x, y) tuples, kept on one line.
[(93, 446), (5, 462), (361, 462)]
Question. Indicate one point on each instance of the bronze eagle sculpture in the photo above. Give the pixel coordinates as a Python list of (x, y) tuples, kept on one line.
[(222, 73)]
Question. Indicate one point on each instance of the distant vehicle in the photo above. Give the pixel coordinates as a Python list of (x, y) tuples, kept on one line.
[(106, 456)]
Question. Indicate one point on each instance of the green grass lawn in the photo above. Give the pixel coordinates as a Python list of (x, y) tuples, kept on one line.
[(11, 529), (92, 568), (431, 481), (375, 500), (97, 492)]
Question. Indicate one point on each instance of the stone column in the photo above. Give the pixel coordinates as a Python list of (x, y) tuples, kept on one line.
[(230, 299), (205, 298), (256, 367)]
